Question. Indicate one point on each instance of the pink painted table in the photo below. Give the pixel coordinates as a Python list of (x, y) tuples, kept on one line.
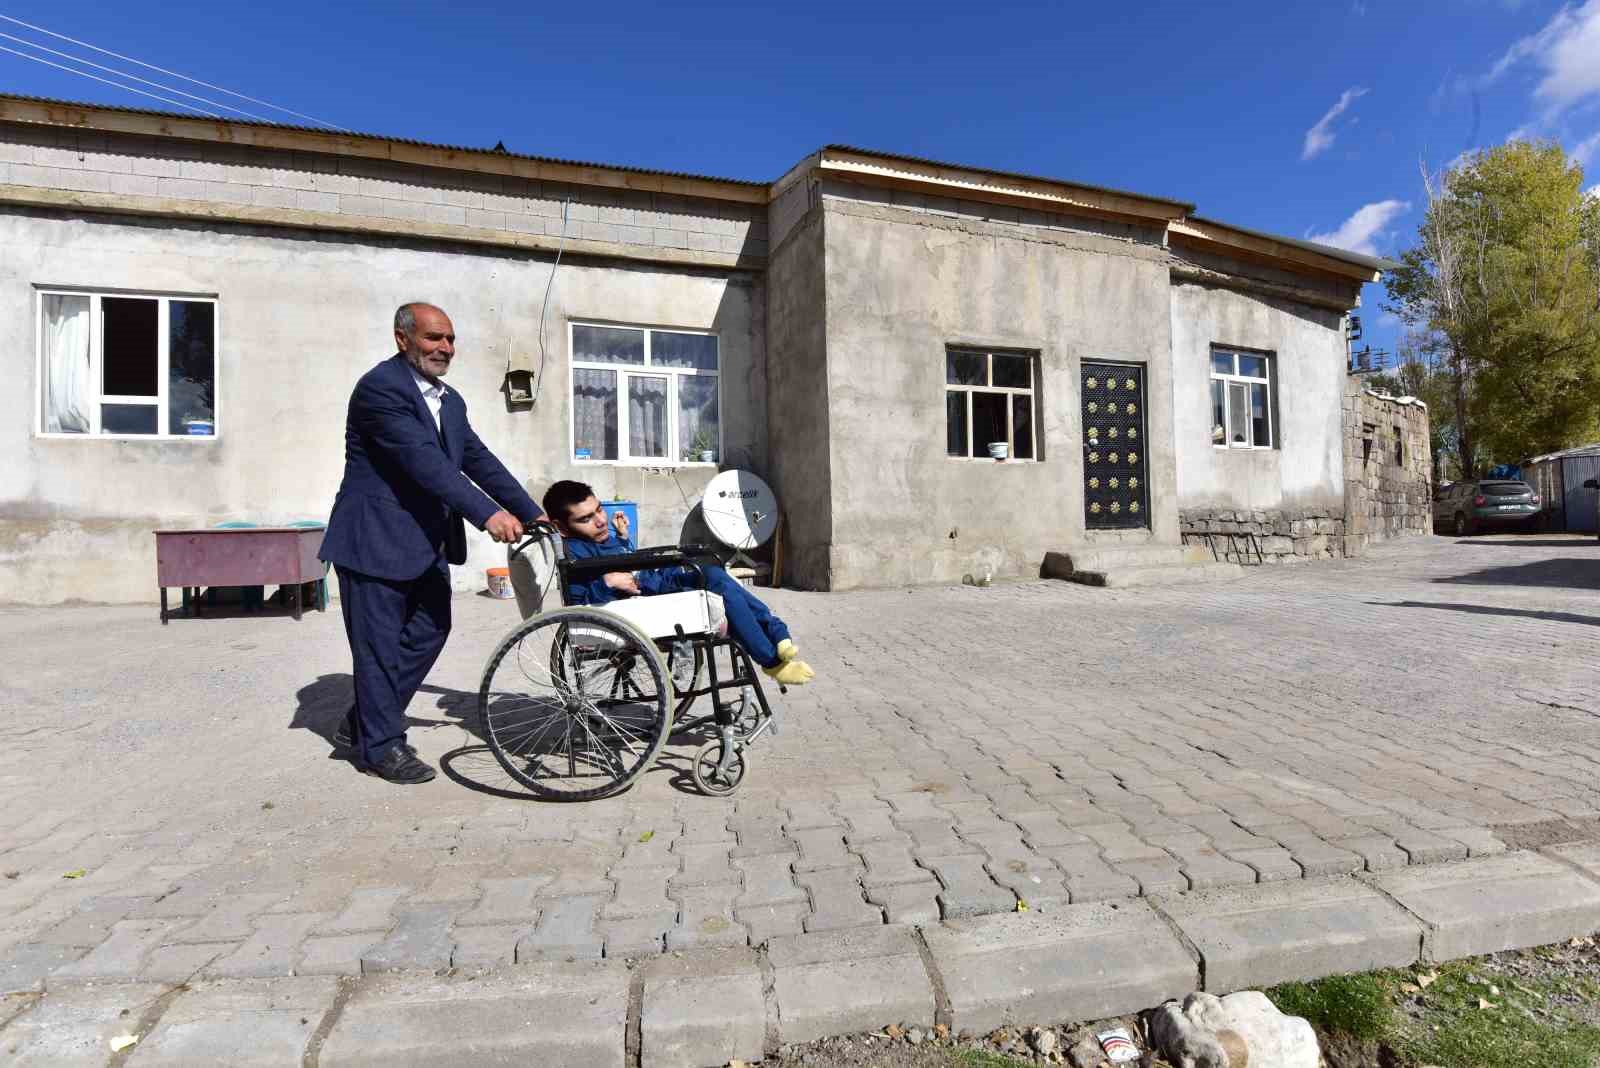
[(238, 556)]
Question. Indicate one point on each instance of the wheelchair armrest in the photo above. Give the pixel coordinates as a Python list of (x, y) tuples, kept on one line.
[(642, 560)]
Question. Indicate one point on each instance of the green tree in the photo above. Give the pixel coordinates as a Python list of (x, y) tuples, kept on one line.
[(1504, 286)]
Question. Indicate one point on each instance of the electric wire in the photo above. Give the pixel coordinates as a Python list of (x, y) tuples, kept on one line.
[(172, 73), (108, 81), (538, 384), (132, 77)]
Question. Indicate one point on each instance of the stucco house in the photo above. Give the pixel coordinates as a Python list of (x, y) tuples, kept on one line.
[(197, 297)]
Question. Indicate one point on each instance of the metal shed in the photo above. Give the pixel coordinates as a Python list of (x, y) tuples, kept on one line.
[(1558, 478)]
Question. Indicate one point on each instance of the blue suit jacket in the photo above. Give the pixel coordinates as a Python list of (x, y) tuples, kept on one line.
[(407, 485)]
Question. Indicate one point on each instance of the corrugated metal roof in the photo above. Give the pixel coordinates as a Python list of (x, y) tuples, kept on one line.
[(1581, 450), (377, 137), (1376, 263), (1184, 204)]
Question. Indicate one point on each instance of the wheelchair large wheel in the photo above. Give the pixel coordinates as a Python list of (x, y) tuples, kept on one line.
[(575, 704)]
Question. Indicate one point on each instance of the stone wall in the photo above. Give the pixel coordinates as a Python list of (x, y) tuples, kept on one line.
[(1387, 466), (1269, 536)]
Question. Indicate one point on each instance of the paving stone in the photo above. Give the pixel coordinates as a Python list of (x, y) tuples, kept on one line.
[(1043, 829), (250, 1022), (705, 918), (1205, 868), (1078, 962), (703, 1008), (229, 921), (1117, 842), (565, 931), (1489, 904), (421, 939), (1029, 877), (639, 936), (1154, 875), (181, 962), (704, 864), (640, 892), (272, 949), (864, 825), (25, 966), (121, 955), (1089, 878), (336, 954), (837, 901), (907, 903), (1377, 852), (486, 945), (1271, 864), (772, 921), (841, 982), (1259, 936), (370, 909), (1317, 857), (809, 815), (763, 840), (821, 849), (541, 1014), (506, 901), (91, 923), (932, 839), (889, 864), (968, 890), (74, 1023), (1480, 841), (768, 880), (655, 852)]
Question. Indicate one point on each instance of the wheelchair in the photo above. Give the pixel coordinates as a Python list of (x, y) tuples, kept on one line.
[(577, 702)]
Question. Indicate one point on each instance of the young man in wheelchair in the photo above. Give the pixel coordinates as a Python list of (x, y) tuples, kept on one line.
[(576, 511)]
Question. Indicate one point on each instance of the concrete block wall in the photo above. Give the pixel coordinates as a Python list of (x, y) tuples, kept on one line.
[(134, 166), (1272, 536)]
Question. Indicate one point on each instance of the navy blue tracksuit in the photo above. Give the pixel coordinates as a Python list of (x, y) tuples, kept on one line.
[(750, 621), (397, 522)]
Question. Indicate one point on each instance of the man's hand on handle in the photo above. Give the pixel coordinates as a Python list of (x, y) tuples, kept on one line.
[(504, 527)]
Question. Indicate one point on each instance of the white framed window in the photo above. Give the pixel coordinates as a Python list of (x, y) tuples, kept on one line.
[(1241, 399), (126, 365), (989, 401), (643, 395)]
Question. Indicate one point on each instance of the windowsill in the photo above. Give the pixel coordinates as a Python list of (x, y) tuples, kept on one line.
[(126, 437), (663, 462), (990, 460), (1241, 448)]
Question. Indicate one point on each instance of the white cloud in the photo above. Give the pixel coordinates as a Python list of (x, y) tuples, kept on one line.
[(1566, 50), (1592, 191), (1361, 232), (1320, 137), (1585, 150)]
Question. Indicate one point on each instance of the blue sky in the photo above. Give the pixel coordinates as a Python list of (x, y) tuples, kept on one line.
[(1302, 119)]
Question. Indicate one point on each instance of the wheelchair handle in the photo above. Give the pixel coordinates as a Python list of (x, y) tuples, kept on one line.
[(540, 532)]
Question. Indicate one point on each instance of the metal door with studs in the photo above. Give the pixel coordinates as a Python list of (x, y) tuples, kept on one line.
[(1116, 494)]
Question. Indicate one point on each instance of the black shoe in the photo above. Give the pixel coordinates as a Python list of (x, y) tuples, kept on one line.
[(342, 739), (399, 765)]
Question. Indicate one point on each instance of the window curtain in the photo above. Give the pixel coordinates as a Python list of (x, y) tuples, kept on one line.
[(647, 416), (66, 358), (594, 412)]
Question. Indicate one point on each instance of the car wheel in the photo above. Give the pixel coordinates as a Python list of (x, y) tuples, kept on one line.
[(1463, 528)]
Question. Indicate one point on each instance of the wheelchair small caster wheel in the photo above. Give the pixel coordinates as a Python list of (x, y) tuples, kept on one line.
[(711, 780)]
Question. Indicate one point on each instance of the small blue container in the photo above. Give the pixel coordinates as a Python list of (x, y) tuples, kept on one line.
[(629, 509)]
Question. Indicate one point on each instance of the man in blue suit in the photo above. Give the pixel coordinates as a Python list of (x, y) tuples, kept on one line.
[(413, 471)]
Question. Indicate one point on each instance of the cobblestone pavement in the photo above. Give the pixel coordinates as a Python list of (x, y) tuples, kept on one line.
[(963, 748)]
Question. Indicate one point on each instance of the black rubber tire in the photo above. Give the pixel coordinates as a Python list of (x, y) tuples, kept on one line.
[(702, 769), (1463, 527), (652, 721)]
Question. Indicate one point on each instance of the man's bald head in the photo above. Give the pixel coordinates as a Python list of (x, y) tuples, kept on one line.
[(425, 336)]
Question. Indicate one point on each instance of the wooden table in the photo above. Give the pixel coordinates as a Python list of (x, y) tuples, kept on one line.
[(238, 556)]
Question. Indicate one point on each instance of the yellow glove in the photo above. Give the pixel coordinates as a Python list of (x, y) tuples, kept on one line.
[(787, 651), (791, 673)]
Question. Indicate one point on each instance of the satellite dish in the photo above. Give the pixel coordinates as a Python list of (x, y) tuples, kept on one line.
[(740, 510)]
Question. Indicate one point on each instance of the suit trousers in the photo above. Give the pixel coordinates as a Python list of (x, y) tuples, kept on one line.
[(397, 629)]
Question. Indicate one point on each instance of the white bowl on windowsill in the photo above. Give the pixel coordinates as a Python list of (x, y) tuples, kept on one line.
[(999, 450)]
